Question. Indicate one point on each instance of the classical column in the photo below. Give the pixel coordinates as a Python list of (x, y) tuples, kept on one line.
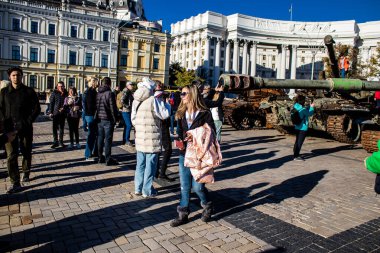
[(244, 69), (191, 54), (184, 54), (227, 58), (178, 51), (217, 61), (253, 58), (283, 62), (43, 53), (293, 68), (278, 62), (235, 65), (207, 53), (199, 52)]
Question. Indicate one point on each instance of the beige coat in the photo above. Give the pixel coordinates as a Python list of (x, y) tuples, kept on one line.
[(146, 121)]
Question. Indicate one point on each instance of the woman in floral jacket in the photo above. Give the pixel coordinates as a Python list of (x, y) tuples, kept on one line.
[(73, 106)]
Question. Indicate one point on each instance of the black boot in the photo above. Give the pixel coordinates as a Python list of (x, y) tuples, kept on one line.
[(183, 217), (207, 211)]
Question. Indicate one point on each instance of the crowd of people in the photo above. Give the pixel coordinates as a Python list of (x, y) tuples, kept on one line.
[(152, 112)]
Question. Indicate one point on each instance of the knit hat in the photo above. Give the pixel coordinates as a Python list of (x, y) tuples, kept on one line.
[(147, 83)]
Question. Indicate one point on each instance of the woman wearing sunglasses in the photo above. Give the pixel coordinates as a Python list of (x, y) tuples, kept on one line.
[(192, 113)]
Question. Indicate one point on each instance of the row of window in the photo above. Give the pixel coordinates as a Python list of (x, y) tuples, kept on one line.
[(73, 57), (16, 26)]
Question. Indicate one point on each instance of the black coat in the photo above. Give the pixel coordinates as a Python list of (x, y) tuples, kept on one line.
[(89, 102), (19, 107), (202, 118), (57, 102), (106, 104)]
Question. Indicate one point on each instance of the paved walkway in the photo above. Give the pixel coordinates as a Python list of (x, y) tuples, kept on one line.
[(265, 201)]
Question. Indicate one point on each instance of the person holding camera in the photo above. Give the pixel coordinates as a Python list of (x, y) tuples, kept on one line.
[(19, 108)]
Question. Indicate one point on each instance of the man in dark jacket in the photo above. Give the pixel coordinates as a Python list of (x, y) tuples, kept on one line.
[(57, 112), (126, 101), (89, 110), (106, 116), (19, 108)]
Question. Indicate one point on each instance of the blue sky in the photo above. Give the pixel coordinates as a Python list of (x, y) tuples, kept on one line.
[(171, 11)]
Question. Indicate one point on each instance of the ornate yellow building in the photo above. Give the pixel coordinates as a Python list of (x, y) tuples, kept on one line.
[(144, 51)]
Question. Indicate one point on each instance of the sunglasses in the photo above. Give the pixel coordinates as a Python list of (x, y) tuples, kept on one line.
[(184, 94)]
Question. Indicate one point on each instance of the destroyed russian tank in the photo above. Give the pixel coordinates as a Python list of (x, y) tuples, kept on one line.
[(335, 113)]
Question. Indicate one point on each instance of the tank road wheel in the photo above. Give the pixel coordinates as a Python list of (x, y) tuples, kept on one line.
[(343, 128), (240, 119), (369, 140)]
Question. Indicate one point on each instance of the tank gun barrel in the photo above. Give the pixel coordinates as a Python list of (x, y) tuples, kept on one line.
[(236, 82)]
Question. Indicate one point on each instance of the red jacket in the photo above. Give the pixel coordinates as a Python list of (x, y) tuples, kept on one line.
[(377, 95)]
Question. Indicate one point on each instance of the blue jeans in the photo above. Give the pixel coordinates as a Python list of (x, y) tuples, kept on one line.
[(91, 136), (84, 121), (105, 134), (128, 125), (187, 181), (342, 73), (218, 126), (172, 120), (146, 166)]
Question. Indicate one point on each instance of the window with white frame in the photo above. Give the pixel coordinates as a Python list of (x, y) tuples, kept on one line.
[(16, 24), (104, 61), (34, 27), (71, 82), (16, 53), (50, 82), (74, 31), (51, 30), (90, 33), (106, 35), (33, 81), (72, 58), (51, 56), (88, 59), (156, 63), (34, 54)]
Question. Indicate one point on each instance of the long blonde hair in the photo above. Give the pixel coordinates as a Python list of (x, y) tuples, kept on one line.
[(196, 102)]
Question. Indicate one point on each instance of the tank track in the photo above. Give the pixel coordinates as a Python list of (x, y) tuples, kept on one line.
[(243, 117), (369, 140), (336, 128)]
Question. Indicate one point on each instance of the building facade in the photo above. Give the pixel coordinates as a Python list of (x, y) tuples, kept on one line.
[(144, 53), (213, 44), (65, 40)]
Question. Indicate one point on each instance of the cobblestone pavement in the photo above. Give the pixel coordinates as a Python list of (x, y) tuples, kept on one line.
[(264, 201)]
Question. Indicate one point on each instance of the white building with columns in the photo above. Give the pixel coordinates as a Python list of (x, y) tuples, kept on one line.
[(213, 44), (62, 40)]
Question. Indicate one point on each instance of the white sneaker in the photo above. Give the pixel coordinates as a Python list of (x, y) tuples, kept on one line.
[(78, 146)]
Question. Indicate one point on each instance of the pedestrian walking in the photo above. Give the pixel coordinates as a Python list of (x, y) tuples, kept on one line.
[(174, 100), (106, 116), (192, 113), (73, 106), (127, 101), (19, 108), (84, 122), (147, 113), (89, 111), (302, 127), (57, 113)]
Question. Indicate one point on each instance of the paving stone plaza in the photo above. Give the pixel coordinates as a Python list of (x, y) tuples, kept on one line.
[(264, 201)]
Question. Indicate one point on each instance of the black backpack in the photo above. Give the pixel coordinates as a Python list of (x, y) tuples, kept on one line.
[(295, 116)]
